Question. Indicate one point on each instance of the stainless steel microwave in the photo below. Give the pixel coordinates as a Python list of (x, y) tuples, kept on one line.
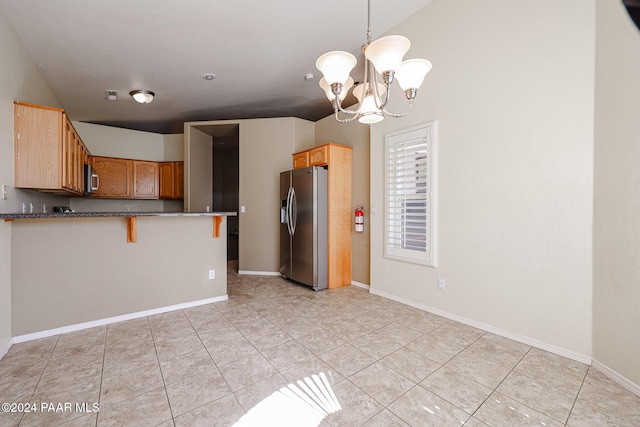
[(91, 180)]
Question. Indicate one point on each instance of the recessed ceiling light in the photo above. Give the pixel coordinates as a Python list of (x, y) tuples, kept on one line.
[(309, 76), (209, 76)]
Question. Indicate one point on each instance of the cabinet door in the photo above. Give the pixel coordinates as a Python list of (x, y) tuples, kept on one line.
[(115, 177), (178, 180), (72, 158), (145, 180), (171, 180), (319, 156), (166, 180), (38, 134), (301, 160)]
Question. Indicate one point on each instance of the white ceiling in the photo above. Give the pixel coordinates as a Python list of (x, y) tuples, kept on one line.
[(260, 51)]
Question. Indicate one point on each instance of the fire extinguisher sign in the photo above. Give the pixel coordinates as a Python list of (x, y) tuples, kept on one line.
[(359, 219)]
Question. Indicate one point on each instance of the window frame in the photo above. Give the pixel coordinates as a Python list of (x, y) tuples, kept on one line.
[(428, 257)]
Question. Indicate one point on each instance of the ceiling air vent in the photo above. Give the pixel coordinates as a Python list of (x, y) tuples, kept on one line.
[(112, 95)]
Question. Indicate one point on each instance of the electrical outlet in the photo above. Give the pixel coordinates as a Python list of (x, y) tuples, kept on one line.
[(441, 283), (3, 192), (212, 274)]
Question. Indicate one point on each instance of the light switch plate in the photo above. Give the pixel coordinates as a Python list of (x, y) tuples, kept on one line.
[(3, 192)]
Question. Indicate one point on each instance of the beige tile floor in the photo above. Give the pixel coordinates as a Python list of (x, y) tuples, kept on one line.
[(384, 363)]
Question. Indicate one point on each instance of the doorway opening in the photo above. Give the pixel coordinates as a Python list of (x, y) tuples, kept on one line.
[(225, 198), (212, 175)]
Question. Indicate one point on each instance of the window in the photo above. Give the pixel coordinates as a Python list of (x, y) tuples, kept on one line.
[(410, 233)]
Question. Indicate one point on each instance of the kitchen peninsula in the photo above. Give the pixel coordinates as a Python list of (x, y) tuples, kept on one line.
[(71, 271)]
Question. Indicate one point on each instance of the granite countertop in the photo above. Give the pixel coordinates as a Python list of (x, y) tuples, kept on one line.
[(9, 216)]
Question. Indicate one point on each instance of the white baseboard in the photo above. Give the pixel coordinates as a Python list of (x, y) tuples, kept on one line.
[(582, 358), (258, 273), (360, 285), (632, 387), (115, 319), (5, 347)]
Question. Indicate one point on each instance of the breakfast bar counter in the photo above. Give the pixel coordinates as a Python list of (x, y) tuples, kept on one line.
[(76, 270)]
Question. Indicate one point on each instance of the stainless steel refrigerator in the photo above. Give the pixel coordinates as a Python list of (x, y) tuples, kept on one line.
[(304, 226)]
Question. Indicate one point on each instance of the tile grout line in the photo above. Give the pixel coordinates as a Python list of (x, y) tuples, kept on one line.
[(40, 377), (575, 400), (104, 356), (164, 384)]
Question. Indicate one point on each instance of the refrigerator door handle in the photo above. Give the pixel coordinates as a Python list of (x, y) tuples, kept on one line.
[(294, 211), (289, 203)]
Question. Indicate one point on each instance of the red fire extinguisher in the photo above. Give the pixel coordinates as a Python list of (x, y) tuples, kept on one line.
[(359, 219)]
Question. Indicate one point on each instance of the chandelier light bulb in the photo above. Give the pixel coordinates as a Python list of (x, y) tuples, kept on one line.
[(412, 73), (336, 66), (386, 53)]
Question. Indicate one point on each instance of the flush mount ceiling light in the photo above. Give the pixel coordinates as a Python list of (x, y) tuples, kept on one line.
[(142, 96), (383, 56)]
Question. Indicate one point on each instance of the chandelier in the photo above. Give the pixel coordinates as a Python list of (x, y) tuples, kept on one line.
[(382, 61)]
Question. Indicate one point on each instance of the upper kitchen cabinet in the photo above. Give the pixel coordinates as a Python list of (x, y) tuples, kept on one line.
[(116, 177), (145, 179), (301, 160), (49, 155), (126, 178), (171, 180)]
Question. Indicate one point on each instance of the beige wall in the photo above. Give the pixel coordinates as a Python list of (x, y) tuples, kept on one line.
[(616, 258), (110, 141), (304, 135), (199, 172), (20, 81), (265, 147), (512, 89), (173, 147), (355, 135), (87, 271)]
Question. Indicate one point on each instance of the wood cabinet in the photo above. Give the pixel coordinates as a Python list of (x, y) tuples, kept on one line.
[(172, 180), (301, 160), (145, 179), (126, 178), (48, 153), (319, 156), (116, 177), (75, 155), (338, 160)]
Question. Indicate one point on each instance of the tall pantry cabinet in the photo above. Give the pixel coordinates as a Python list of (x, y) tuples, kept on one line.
[(337, 158)]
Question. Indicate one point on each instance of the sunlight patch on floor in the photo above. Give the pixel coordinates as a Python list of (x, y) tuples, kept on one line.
[(303, 404)]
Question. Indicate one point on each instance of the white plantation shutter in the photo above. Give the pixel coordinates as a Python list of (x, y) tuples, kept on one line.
[(409, 195)]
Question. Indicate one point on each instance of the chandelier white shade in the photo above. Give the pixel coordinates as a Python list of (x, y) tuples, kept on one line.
[(412, 73), (326, 87), (142, 96), (386, 53), (336, 66), (383, 60)]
